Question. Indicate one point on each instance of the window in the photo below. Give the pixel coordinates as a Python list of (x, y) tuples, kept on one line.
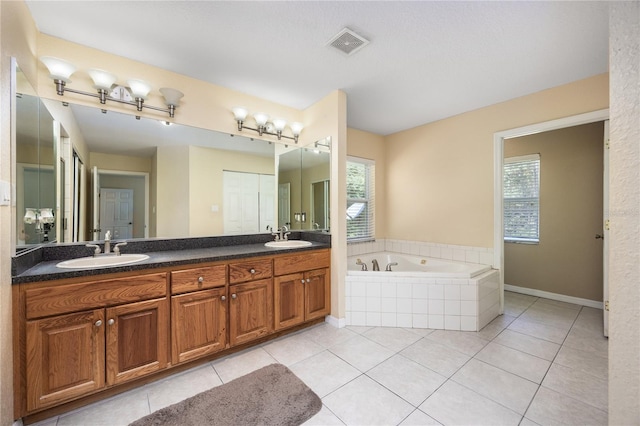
[(522, 199), (360, 199)]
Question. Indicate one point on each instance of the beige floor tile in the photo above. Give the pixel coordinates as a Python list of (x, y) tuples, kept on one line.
[(365, 402), (119, 410), (498, 385), (361, 352), (552, 408), (437, 357), (420, 331), (578, 385), (46, 422), (418, 418), (557, 303), (495, 327), (454, 404), (327, 335), (513, 361), (237, 365), (588, 362), (358, 328), (324, 418), (181, 386), (407, 379), (561, 318), (589, 340), (526, 422), (395, 339), (324, 372), (529, 344), (462, 341), (291, 349), (539, 330)]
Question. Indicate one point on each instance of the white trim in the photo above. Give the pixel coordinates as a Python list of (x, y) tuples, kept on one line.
[(498, 158), (554, 296), (522, 158), (336, 322)]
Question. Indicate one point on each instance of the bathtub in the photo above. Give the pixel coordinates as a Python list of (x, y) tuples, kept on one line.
[(421, 292)]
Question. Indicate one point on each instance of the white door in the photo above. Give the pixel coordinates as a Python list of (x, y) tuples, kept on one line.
[(267, 202), (240, 202), (95, 229), (284, 204), (605, 231), (116, 213)]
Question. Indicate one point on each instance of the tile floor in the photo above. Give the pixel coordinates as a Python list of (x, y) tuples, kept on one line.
[(543, 362)]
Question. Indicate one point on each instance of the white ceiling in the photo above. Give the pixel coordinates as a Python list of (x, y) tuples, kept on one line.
[(425, 61)]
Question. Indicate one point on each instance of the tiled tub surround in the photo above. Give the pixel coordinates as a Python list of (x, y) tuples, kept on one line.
[(420, 299)]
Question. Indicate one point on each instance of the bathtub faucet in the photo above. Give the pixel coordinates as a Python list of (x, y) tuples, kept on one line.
[(360, 263), (376, 267), (389, 265)]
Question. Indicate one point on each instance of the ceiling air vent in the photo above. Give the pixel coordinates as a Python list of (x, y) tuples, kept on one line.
[(348, 42)]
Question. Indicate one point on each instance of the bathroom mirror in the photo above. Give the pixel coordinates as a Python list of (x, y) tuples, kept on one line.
[(36, 168), (303, 187)]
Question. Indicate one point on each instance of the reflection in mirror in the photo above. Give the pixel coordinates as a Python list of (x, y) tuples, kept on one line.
[(35, 169), (303, 187)]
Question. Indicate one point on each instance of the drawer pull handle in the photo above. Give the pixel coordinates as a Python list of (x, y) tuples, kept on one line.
[(252, 271), (111, 321), (234, 296), (98, 323), (200, 279), (223, 298)]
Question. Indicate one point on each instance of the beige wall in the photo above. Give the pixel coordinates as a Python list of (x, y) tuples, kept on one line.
[(123, 163), (568, 259), (624, 208), (172, 197), (372, 147), (206, 167), (440, 175)]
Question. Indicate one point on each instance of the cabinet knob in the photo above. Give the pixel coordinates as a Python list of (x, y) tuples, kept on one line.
[(111, 321), (223, 298), (234, 296), (98, 323), (253, 271), (200, 279), (302, 280), (308, 280)]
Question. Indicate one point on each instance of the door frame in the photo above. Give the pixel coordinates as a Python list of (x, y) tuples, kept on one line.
[(498, 164)]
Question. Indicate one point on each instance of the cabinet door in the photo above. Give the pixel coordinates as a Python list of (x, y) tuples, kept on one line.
[(198, 324), (66, 357), (317, 294), (250, 311), (137, 339), (288, 294)]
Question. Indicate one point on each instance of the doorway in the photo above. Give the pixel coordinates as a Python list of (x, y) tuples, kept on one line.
[(499, 141)]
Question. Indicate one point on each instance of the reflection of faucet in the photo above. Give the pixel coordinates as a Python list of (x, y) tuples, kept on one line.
[(389, 265), (361, 263), (376, 267), (107, 242), (316, 225)]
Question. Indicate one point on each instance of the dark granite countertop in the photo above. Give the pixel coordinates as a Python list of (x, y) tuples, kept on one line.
[(41, 266)]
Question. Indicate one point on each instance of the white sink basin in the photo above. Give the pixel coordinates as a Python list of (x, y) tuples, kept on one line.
[(288, 244), (102, 261)]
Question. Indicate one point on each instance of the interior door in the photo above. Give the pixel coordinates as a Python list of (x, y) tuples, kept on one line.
[(284, 204), (116, 212), (267, 202), (605, 231), (240, 202)]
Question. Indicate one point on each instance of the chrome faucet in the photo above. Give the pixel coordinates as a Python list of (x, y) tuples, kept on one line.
[(96, 248), (361, 263), (376, 267), (116, 249), (389, 265), (282, 234), (107, 242)]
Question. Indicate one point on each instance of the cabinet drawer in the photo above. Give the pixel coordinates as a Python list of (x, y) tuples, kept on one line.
[(250, 270), (42, 302), (303, 261), (198, 279)]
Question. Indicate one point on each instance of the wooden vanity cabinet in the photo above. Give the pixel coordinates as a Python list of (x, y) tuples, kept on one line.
[(109, 341), (199, 316), (301, 293), (251, 300)]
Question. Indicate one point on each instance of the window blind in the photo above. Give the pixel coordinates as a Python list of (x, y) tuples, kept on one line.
[(360, 199), (522, 198)]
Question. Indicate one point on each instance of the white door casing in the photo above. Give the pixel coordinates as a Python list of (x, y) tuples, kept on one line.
[(605, 231), (95, 230)]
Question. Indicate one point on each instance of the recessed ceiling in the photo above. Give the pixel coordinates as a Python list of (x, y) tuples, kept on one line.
[(425, 60)]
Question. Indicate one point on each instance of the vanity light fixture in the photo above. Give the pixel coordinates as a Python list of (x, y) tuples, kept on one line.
[(264, 126), (42, 218), (135, 94)]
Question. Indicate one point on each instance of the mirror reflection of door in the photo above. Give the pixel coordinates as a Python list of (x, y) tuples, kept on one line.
[(116, 212), (248, 202), (320, 204), (284, 204)]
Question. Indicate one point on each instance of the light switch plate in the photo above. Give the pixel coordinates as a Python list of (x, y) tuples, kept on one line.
[(5, 193)]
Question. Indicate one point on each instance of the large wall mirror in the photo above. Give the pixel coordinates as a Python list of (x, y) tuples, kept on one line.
[(145, 179)]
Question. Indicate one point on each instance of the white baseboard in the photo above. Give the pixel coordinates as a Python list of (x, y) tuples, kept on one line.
[(336, 322), (554, 296)]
